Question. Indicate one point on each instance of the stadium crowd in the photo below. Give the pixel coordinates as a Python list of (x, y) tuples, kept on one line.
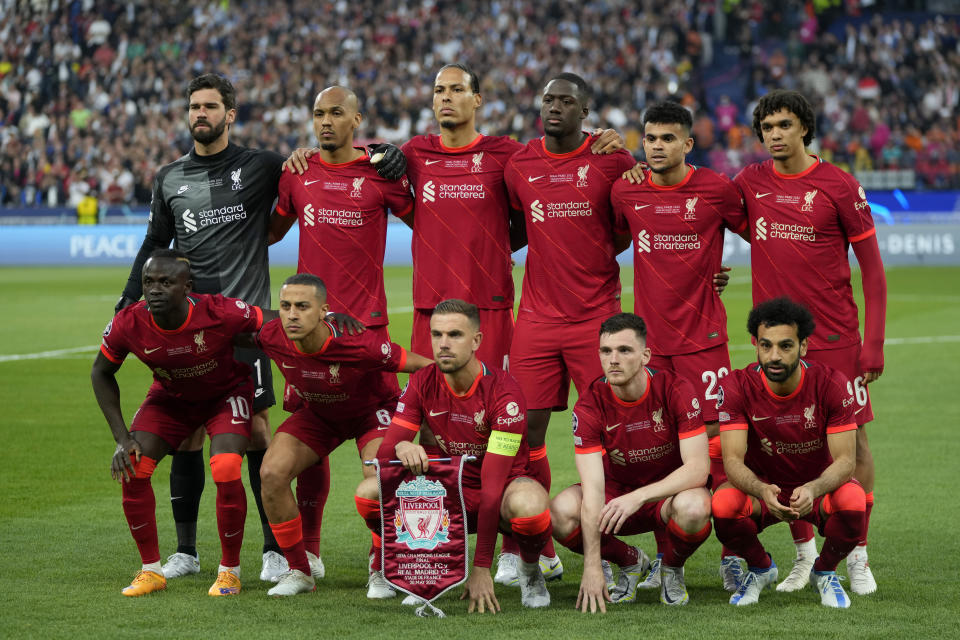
[(91, 90)]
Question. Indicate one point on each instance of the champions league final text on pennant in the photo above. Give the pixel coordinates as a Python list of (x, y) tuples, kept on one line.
[(424, 529)]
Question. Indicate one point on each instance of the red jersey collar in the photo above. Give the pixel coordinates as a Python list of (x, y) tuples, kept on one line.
[(326, 343), (641, 399), (365, 156), (192, 302), (794, 176), (473, 387), (569, 154), (793, 394), (686, 179), (470, 144)]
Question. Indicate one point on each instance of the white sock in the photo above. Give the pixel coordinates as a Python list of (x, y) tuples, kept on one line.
[(808, 549), (234, 570), (153, 566)]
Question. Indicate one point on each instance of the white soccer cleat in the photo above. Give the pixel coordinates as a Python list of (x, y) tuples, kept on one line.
[(673, 591), (652, 581), (507, 570), (732, 573), (291, 583), (377, 586), (533, 586), (180, 564), (317, 570), (412, 601), (800, 573), (629, 579), (831, 591), (551, 568), (274, 566), (755, 581), (608, 575), (858, 570)]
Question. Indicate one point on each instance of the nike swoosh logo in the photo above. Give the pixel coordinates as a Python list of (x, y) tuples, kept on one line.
[(859, 410), (309, 182), (763, 195), (230, 535), (756, 419), (637, 207), (430, 162), (172, 498), (235, 421), (533, 178), (287, 366), (147, 352), (611, 427), (435, 414), (259, 393), (139, 526)]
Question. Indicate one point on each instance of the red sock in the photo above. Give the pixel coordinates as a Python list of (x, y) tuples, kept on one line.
[(801, 530), (140, 508), (662, 539), (231, 505), (866, 522), (682, 544), (845, 508), (369, 510), (736, 530), (725, 552), (574, 541), (539, 468), (612, 549), (532, 534), (313, 487), (509, 545), (289, 536)]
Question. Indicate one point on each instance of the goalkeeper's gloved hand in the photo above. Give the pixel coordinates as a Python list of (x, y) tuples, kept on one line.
[(389, 161)]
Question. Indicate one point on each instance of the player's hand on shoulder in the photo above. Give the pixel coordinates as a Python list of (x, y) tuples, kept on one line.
[(608, 141), (593, 593), (297, 162), (636, 174), (479, 590), (347, 323), (721, 279), (121, 467), (388, 160), (123, 303)]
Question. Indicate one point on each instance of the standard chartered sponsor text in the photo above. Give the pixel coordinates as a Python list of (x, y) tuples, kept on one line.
[(792, 232), (462, 191), (229, 213), (676, 241), (568, 209)]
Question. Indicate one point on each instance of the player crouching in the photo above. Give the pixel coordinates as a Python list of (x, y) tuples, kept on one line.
[(473, 410), (789, 439), (187, 341), (649, 424)]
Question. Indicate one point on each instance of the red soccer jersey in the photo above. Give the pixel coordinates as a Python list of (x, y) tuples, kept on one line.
[(641, 438), (571, 271), (461, 226), (677, 236), (194, 362), (342, 212), (787, 435), (344, 378), (490, 417), (801, 227)]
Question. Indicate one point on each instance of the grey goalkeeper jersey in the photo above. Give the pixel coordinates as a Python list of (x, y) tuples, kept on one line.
[(216, 209)]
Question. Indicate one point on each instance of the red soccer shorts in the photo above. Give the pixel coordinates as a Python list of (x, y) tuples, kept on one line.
[(323, 435), (847, 361), (471, 501), (495, 324), (545, 356), (174, 420), (704, 369)]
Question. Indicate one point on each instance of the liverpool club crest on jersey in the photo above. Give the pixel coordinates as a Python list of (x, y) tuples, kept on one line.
[(582, 175), (357, 184), (477, 163), (808, 200), (201, 344), (421, 519), (691, 213)]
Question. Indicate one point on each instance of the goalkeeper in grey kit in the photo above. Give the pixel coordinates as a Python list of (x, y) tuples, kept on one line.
[(214, 204)]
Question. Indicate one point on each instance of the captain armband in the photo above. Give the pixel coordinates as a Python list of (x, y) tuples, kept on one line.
[(504, 443)]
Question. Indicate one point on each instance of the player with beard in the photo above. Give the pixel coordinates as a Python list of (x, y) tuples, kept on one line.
[(676, 217), (804, 215), (789, 440)]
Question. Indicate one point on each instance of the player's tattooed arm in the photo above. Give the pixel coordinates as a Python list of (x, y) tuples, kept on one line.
[(107, 391)]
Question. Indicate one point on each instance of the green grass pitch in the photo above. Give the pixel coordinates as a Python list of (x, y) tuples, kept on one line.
[(65, 551)]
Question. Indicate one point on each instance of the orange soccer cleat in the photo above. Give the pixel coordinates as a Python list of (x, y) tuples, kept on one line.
[(227, 584), (145, 582)]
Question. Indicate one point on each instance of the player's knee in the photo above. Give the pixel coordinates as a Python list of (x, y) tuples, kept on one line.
[(848, 497), (526, 498), (731, 503), (691, 509), (273, 477), (565, 511), (367, 489), (225, 467)]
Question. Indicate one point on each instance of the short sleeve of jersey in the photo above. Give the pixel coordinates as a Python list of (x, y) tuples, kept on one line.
[(685, 407), (238, 316), (587, 424), (374, 354), (840, 403), (508, 421), (397, 196), (730, 403), (852, 208), (409, 413), (510, 176), (620, 224), (114, 345), (285, 194)]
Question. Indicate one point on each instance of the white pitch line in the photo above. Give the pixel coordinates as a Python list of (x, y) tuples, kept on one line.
[(58, 353)]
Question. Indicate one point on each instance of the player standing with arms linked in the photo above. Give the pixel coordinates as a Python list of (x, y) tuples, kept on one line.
[(804, 214)]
